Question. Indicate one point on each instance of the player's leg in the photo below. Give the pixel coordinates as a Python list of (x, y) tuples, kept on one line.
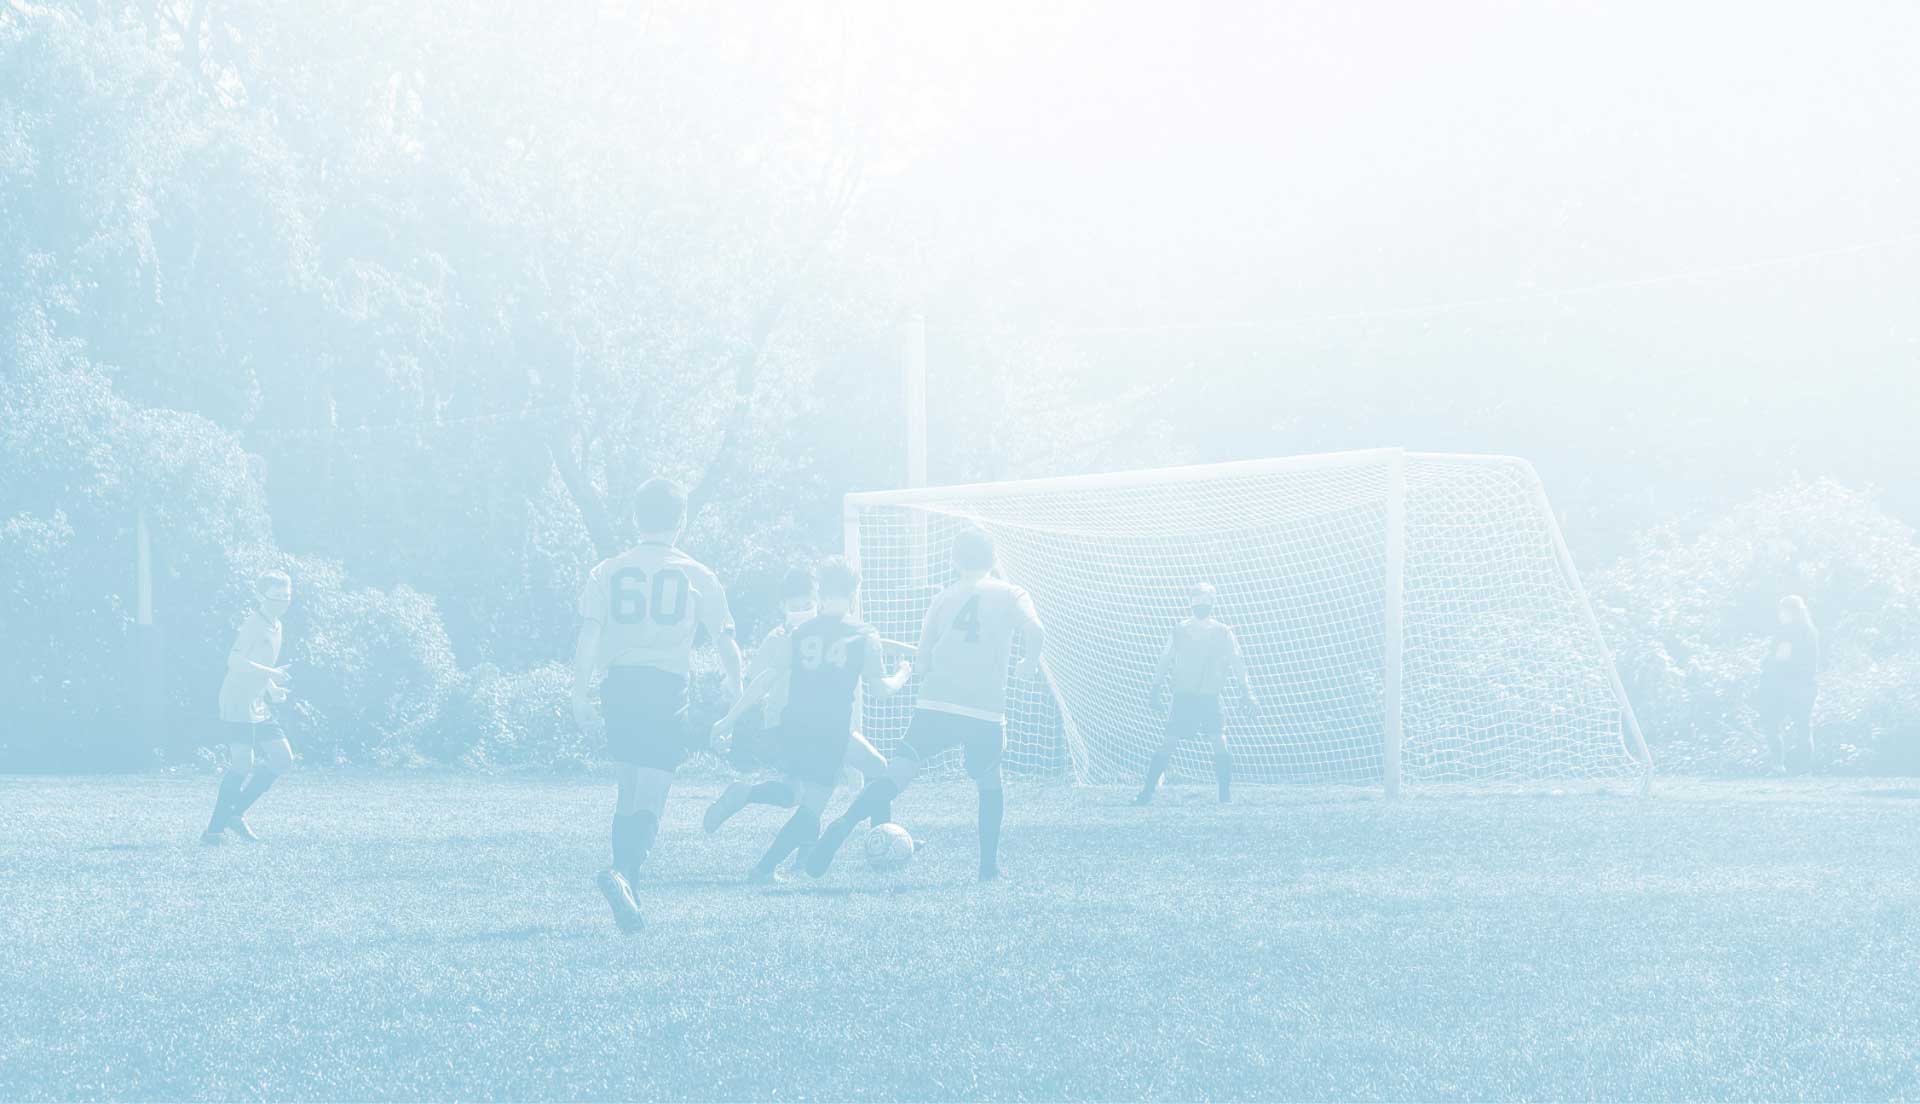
[(1214, 728), (273, 757), (865, 758), (738, 795), (1180, 725), (984, 750), (924, 740), (1772, 718), (636, 820), (799, 833), (232, 781), (1803, 716)]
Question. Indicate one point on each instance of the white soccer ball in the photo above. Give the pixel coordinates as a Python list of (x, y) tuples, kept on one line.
[(888, 847)]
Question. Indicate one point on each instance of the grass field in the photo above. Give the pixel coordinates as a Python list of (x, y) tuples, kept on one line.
[(406, 937)]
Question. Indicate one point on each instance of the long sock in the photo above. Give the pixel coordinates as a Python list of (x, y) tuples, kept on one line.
[(622, 842), (772, 793), (801, 829), (1223, 773), (256, 785), (1155, 770), (993, 804), (882, 815), (645, 828), (872, 800), (231, 783)]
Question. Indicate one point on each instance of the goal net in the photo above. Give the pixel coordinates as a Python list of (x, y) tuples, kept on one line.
[(1404, 616)]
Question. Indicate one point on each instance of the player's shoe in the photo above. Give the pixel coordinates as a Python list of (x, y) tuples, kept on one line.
[(619, 895), (732, 800), (1145, 798), (759, 877), (211, 837), (828, 845), (990, 873), (239, 827)]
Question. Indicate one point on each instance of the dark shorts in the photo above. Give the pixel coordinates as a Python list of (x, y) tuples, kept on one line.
[(933, 731), (1194, 715), (250, 732), (812, 753), (646, 714)]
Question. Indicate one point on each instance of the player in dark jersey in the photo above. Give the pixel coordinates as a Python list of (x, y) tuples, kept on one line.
[(966, 646), (824, 661), (1790, 684), (640, 614)]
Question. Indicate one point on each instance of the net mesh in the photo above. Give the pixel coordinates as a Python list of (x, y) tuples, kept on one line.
[(1503, 677)]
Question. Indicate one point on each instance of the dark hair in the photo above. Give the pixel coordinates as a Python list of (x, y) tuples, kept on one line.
[(972, 550), (797, 584), (659, 507), (838, 578)]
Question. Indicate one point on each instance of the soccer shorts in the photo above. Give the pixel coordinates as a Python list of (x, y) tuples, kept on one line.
[(933, 731), (1194, 715), (646, 714), (251, 732)]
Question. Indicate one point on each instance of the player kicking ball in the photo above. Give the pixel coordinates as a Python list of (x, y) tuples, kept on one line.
[(257, 748), (823, 662), (1201, 656), (768, 687), (966, 644), (640, 612)]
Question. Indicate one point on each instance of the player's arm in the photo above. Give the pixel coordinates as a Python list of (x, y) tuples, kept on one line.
[(755, 693), (875, 673), (239, 664), (1033, 635), (719, 623), (1237, 670), (1162, 671)]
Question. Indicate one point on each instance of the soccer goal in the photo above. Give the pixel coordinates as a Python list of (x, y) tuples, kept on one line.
[(1406, 617)]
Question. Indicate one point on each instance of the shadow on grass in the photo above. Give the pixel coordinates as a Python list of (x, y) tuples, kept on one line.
[(509, 935), (1906, 793), (844, 892)]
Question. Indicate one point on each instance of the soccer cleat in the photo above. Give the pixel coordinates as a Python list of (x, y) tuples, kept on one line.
[(619, 895), (1145, 798), (990, 873), (821, 857), (731, 800), (211, 837), (239, 827)]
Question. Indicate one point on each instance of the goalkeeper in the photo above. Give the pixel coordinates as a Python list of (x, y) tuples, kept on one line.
[(1201, 657)]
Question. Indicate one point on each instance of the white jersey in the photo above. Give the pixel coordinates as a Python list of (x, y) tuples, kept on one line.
[(243, 693), (650, 602)]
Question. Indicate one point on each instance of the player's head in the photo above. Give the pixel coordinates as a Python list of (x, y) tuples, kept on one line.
[(839, 582), (797, 596), (659, 509), (274, 590), (1200, 598), (972, 551), (1793, 610)]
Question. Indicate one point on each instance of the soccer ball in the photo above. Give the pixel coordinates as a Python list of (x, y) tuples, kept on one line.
[(888, 847)]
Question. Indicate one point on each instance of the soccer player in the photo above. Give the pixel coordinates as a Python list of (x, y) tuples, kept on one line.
[(640, 613), (966, 644), (1200, 657), (824, 661), (1790, 684), (257, 748), (767, 685)]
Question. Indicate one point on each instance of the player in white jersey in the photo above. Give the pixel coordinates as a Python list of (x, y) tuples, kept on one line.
[(966, 645), (641, 612), (257, 748), (1201, 657)]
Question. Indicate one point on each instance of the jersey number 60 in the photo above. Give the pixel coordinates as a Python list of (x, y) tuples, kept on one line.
[(632, 597)]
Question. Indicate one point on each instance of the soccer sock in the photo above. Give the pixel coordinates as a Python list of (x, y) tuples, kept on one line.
[(882, 815), (993, 803), (1223, 773), (231, 783), (801, 829), (646, 826), (772, 793), (874, 801), (257, 784), (622, 842), (1155, 770)]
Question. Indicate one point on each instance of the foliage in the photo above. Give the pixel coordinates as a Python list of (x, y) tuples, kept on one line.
[(1690, 612)]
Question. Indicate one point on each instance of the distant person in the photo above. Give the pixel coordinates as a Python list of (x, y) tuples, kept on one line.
[(966, 645), (1201, 657), (257, 748), (823, 662), (640, 613), (1789, 683)]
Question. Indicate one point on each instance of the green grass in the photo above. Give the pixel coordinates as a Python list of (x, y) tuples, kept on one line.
[(439, 937)]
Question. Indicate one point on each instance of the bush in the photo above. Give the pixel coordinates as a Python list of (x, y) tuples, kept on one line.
[(523, 719), (1691, 609)]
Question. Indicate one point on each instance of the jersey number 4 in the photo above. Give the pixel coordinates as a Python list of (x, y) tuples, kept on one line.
[(968, 620), (634, 596)]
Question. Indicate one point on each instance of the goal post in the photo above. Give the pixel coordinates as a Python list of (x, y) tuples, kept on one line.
[(1408, 618)]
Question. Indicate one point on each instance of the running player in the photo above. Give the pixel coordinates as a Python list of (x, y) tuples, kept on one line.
[(257, 748), (966, 644), (640, 613), (824, 660), (1201, 656)]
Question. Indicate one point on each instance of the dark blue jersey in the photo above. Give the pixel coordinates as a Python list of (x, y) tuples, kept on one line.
[(825, 659)]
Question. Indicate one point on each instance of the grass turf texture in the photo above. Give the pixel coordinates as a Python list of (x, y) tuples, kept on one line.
[(404, 937)]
